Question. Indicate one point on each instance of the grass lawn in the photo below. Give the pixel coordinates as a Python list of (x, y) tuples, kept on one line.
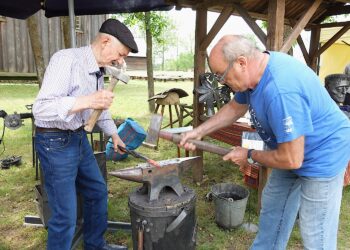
[(17, 197)]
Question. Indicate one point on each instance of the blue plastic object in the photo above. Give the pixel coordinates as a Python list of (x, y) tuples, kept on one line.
[(131, 133)]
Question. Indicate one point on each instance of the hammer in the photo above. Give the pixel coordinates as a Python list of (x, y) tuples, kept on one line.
[(154, 133), (116, 75)]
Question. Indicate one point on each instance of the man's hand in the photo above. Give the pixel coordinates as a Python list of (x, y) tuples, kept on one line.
[(117, 141), (238, 156), (101, 99), (194, 134)]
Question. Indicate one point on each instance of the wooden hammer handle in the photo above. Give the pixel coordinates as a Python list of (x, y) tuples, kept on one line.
[(89, 126), (202, 145)]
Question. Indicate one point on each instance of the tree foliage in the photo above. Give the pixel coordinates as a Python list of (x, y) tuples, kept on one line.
[(157, 25), (154, 24), (184, 62)]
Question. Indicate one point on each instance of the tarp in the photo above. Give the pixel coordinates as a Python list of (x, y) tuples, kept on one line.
[(337, 56), (22, 9), (94, 7)]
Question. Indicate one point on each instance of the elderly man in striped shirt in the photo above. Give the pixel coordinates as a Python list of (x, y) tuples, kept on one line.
[(71, 89)]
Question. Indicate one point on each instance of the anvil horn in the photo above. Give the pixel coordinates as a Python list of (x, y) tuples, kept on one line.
[(130, 174)]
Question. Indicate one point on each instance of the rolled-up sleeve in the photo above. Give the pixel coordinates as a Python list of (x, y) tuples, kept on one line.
[(53, 102), (106, 123)]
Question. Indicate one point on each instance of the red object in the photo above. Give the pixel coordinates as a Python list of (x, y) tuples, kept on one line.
[(347, 176), (251, 175)]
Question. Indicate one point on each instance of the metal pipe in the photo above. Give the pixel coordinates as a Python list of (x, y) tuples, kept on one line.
[(71, 23)]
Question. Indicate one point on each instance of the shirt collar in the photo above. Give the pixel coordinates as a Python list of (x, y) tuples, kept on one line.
[(92, 65)]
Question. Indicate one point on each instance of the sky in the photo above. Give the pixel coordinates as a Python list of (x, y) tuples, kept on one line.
[(185, 22)]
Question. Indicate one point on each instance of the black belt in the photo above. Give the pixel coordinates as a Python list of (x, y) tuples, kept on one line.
[(55, 130)]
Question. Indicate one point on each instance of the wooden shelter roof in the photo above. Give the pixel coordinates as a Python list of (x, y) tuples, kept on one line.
[(299, 14), (258, 9)]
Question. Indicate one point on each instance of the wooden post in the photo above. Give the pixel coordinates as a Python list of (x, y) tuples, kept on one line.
[(199, 68), (35, 40), (275, 21), (274, 42), (314, 42)]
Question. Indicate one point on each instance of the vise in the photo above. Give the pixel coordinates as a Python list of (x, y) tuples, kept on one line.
[(155, 178)]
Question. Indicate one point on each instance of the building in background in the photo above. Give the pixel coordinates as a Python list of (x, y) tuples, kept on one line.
[(16, 55), (337, 56)]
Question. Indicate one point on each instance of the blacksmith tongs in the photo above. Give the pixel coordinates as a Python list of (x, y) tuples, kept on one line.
[(138, 155)]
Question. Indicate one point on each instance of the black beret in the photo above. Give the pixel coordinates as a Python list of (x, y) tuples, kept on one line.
[(121, 32)]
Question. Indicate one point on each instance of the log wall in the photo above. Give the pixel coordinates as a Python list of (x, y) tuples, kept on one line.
[(15, 48)]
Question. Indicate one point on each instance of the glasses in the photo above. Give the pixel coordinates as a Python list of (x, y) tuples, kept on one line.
[(221, 78)]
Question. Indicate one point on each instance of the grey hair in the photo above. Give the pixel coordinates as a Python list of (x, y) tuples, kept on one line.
[(239, 46)]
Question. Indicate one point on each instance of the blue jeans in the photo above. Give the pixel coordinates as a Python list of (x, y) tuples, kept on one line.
[(69, 166), (316, 199)]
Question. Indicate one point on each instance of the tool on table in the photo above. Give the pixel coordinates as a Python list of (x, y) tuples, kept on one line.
[(140, 156), (156, 178), (116, 75), (153, 136)]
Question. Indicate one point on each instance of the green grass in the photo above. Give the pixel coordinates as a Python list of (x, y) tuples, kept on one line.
[(17, 196)]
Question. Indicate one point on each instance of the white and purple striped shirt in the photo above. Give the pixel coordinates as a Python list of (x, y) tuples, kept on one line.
[(70, 73)]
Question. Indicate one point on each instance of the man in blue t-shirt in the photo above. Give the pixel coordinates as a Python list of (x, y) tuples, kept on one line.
[(307, 135)]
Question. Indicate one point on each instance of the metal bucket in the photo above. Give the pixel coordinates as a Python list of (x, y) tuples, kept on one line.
[(168, 223), (230, 202)]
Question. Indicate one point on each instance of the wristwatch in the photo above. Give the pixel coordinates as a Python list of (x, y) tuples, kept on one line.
[(249, 156)]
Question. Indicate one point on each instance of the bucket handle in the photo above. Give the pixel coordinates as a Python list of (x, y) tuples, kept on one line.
[(209, 196), (177, 221)]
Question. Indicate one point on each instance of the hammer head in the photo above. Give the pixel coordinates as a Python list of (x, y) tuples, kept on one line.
[(152, 137), (117, 73)]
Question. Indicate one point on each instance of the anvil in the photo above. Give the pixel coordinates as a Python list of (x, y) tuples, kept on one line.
[(156, 178)]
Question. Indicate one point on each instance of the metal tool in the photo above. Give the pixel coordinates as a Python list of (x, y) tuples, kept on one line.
[(153, 136), (157, 178), (140, 156), (116, 75), (14, 121)]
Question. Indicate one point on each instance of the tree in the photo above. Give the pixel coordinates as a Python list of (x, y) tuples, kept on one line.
[(32, 24), (154, 24), (183, 62)]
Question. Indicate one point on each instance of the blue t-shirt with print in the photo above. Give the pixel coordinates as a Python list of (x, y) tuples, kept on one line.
[(289, 102)]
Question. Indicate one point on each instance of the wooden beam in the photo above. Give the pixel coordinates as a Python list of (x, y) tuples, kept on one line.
[(314, 42), (332, 40), (303, 49), (276, 12), (338, 9), (199, 68), (220, 21), (251, 23), (331, 25), (300, 25)]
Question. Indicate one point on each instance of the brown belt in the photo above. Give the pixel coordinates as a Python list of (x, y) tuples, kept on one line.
[(53, 130)]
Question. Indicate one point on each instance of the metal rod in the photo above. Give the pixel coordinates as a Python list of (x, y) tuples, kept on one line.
[(71, 23)]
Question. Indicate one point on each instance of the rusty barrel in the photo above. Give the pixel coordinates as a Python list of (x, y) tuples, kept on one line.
[(168, 223)]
